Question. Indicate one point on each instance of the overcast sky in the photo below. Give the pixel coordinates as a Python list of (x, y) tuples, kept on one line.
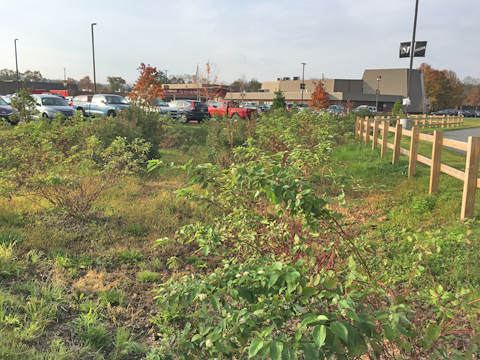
[(252, 38)]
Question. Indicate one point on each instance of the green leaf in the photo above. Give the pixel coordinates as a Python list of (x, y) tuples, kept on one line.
[(276, 350), (309, 318), (277, 265), (340, 330), (214, 303), (255, 347), (273, 279), (319, 335), (390, 332), (289, 354), (292, 276), (433, 332), (310, 351)]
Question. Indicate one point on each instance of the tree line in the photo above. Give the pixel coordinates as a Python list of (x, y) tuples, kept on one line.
[(446, 91)]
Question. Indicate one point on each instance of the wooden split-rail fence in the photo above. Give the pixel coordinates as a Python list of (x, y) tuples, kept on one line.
[(371, 129)]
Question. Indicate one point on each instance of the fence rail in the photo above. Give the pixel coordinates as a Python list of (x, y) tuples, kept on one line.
[(366, 130)]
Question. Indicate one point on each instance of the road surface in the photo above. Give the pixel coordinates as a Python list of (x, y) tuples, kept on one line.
[(461, 135)]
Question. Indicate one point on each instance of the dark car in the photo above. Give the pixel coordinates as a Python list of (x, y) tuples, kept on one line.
[(468, 113), (6, 111), (191, 110), (447, 112)]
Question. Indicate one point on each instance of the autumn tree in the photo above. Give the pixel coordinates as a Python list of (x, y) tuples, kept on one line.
[(147, 87), (116, 83), (85, 84), (348, 106), (70, 81), (442, 87), (206, 81), (473, 97), (319, 97)]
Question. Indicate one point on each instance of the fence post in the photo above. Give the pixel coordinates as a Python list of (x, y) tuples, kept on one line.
[(425, 119), (396, 145), (471, 172), (436, 161), (386, 125), (357, 126), (367, 131), (361, 127), (375, 133), (412, 164)]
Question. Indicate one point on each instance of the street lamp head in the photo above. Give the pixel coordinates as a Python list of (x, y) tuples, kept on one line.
[(94, 24)]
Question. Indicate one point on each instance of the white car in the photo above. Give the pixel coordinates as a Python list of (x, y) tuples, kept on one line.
[(372, 109)]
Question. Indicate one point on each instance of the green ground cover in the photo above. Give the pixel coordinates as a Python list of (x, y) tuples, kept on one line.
[(279, 237)]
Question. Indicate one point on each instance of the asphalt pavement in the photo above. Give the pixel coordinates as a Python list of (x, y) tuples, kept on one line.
[(460, 135)]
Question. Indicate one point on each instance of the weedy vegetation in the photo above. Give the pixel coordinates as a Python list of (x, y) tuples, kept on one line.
[(278, 237)]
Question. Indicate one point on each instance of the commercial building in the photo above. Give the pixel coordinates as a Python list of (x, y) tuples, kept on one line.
[(391, 85)]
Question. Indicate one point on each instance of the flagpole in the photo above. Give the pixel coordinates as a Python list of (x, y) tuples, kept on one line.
[(412, 52)]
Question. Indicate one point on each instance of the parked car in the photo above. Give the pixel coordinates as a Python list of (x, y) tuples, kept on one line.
[(49, 105), (231, 109), (100, 104), (191, 110), (7, 98), (69, 100), (80, 102), (253, 106), (335, 109), (447, 112), (6, 111), (165, 109), (302, 107)]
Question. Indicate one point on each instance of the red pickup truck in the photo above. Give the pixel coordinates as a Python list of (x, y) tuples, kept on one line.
[(231, 109)]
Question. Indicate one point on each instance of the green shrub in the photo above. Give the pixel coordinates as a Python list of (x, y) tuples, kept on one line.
[(130, 124), (363, 113), (397, 109), (62, 164), (224, 135)]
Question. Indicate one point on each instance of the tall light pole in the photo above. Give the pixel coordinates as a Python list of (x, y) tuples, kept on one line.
[(412, 53), (303, 79), (64, 75), (16, 62), (378, 91), (93, 52)]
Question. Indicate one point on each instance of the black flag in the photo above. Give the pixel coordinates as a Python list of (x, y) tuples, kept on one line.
[(420, 47), (404, 49)]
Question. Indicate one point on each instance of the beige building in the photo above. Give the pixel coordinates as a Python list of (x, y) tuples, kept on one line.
[(391, 87)]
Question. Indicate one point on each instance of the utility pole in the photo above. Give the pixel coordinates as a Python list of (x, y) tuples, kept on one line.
[(378, 91), (93, 52), (303, 79), (412, 53), (16, 62)]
